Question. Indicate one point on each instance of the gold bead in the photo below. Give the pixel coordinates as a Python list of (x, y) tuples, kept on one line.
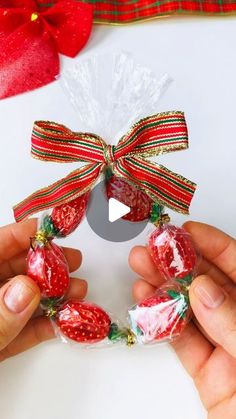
[(131, 339), (164, 219), (34, 17)]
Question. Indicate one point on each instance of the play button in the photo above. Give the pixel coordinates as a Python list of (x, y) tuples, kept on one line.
[(105, 217), (116, 210)]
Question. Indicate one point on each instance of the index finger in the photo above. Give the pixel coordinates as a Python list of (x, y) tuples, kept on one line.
[(215, 246), (14, 238), (17, 265), (14, 244)]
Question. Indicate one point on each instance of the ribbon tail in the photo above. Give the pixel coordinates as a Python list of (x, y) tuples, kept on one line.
[(162, 185), (65, 190)]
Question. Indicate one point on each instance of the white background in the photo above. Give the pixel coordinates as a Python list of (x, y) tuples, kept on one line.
[(55, 381)]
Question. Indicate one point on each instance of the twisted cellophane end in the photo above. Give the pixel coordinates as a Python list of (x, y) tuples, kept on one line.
[(109, 99), (39, 239), (45, 233)]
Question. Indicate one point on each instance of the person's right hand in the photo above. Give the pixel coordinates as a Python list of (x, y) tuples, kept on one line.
[(207, 348), (20, 328)]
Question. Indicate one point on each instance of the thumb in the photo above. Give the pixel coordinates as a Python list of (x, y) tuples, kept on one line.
[(19, 299), (215, 310)]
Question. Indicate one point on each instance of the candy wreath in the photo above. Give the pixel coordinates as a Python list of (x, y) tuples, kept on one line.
[(146, 188)]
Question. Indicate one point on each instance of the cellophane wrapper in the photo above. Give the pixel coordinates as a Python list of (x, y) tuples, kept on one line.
[(174, 253), (110, 92), (47, 264)]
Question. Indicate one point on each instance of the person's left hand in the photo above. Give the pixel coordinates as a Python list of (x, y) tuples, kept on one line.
[(20, 327)]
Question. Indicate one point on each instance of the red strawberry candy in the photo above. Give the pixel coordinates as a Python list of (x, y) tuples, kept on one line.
[(83, 322), (67, 217), (129, 195), (173, 252), (47, 266), (161, 317)]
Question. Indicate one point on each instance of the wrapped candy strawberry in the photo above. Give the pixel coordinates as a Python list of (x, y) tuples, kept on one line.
[(173, 252), (139, 202), (46, 263), (161, 317), (47, 266), (82, 322), (87, 323), (67, 217)]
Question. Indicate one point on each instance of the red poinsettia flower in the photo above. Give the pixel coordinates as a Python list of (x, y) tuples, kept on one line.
[(31, 38)]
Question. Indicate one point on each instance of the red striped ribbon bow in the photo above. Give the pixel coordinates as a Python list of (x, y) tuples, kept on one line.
[(151, 136)]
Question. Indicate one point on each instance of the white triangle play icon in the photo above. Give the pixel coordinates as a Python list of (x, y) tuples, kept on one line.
[(116, 210)]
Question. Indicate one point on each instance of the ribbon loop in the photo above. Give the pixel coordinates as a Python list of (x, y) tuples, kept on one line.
[(154, 135), (151, 136), (55, 142)]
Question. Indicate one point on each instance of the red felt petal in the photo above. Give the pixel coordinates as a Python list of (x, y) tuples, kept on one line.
[(11, 19), (28, 60), (28, 4), (70, 23)]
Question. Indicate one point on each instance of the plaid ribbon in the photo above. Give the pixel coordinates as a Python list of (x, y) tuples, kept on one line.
[(151, 136), (125, 11)]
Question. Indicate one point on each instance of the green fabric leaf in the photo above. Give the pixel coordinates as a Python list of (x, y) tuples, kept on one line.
[(187, 280), (174, 294), (156, 212), (108, 174), (115, 333), (48, 227)]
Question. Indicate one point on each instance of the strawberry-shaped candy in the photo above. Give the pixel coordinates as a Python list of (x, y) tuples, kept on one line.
[(139, 202), (161, 317), (47, 266), (67, 217), (83, 322), (173, 252)]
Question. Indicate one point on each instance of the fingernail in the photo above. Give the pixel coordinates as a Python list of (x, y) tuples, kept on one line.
[(209, 294), (18, 296)]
